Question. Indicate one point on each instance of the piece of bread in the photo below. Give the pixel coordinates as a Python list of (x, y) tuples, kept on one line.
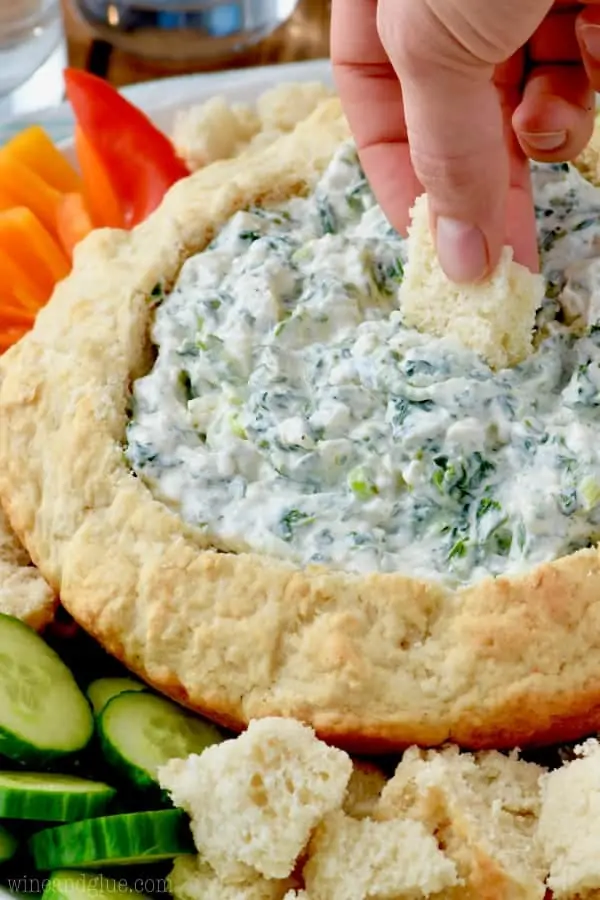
[(483, 810), (192, 878), (217, 130), (494, 318), (588, 161), (254, 801), (364, 790), (369, 860), (569, 825), (23, 592)]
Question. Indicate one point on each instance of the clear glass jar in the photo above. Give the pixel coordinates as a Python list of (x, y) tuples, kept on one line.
[(180, 30), (30, 31)]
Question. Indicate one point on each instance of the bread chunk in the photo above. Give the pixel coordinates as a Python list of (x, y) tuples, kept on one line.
[(494, 318), (217, 130), (588, 161), (569, 825), (368, 860), (23, 592), (192, 878), (254, 801), (483, 810)]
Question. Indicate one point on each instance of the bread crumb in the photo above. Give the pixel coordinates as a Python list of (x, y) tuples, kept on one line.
[(192, 878), (364, 790), (569, 825), (483, 809), (255, 800), (352, 859), (495, 318)]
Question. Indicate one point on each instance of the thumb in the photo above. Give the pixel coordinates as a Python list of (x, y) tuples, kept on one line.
[(444, 53)]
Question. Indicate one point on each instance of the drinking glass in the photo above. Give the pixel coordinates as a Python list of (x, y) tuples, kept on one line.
[(185, 29), (30, 31)]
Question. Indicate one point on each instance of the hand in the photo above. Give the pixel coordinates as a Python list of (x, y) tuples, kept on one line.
[(453, 97)]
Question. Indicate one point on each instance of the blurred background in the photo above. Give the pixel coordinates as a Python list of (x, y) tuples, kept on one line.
[(132, 41)]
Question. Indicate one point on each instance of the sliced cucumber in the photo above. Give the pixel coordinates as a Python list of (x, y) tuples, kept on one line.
[(140, 732), (68, 884), (43, 714), (129, 839), (8, 845), (102, 690), (52, 798)]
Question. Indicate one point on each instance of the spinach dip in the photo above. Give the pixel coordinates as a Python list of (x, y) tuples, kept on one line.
[(291, 413)]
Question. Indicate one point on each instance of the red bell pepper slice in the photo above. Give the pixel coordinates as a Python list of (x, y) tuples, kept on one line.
[(140, 160)]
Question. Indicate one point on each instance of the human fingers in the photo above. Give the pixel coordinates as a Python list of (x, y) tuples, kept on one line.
[(372, 99), (587, 29), (521, 230), (555, 118), (444, 53)]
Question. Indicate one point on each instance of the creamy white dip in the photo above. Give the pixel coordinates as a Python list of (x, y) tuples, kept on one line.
[(290, 412)]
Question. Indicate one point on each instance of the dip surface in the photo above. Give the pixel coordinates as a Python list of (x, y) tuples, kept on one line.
[(290, 413)]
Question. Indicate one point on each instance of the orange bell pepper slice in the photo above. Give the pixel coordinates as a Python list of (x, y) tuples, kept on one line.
[(23, 283), (34, 148), (139, 161), (26, 241), (100, 197), (10, 336), (73, 222), (12, 315), (24, 187)]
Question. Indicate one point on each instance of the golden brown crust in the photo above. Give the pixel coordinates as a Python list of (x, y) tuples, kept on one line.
[(371, 662), (23, 591)]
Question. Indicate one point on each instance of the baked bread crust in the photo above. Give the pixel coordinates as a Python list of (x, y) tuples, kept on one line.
[(372, 663), (23, 592)]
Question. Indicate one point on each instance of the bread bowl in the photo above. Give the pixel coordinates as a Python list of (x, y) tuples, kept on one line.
[(374, 660)]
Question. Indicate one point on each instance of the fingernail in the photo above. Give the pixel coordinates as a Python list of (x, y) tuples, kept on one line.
[(545, 140), (590, 35), (461, 250)]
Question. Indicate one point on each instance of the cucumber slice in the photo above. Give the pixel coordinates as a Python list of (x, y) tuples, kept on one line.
[(51, 798), (43, 714), (102, 690), (139, 732), (69, 884), (129, 839), (8, 845)]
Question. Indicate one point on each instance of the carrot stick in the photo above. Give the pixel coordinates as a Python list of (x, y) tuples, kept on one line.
[(24, 238), (26, 188), (73, 222), (100, 197), (34, 148)]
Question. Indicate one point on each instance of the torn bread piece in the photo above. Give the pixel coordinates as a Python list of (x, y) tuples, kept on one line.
[(494, 318), (569, 825), (192, 878), (483, 810), (255, 800), (364, 790), (368, 860), (588, 161), (23, 592), (217, 130)]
